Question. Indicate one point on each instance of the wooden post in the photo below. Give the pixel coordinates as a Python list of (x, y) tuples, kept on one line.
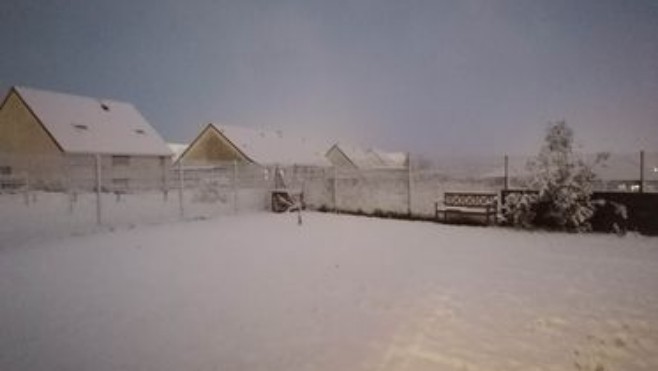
[(181, 181), (335, 189), (506, 185), (409, 185), (300, 203), (27, 189), (235, 186), (165, 179), (97, 160), (641, 171), (69, 187)]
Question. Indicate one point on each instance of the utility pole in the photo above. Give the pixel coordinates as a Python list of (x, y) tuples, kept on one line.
[(506, 186), (641, 171)]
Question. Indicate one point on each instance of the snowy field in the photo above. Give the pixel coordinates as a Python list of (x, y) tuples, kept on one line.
[(258, 292)]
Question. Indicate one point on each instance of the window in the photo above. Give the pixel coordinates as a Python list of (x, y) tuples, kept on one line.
[(80, 127), (5, 170), (120, 160), (140, 131), (105, 107)]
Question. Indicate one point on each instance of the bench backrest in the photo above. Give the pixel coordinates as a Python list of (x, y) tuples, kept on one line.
[(464, 199)]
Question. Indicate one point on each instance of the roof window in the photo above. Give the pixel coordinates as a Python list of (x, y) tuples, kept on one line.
[(105, 107), (140, 131), (80, 127)]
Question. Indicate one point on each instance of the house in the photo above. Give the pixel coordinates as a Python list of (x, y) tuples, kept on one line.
[(618, 172), (219, 144), (621, 172), (354, 157), (55, 138), (177, 150)]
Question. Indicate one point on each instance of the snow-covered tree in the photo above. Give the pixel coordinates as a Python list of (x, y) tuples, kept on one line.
[(519, 209), (564, 184)]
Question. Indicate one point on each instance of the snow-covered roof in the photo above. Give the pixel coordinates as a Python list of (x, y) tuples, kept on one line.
[(392, 159), (177, 150), (89, 125), (372, 158), (268, 147)]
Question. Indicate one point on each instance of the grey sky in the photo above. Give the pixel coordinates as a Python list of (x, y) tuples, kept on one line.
[(436, 77)]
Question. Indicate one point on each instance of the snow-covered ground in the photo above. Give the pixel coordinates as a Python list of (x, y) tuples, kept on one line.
[(48, 215), (258, 292)]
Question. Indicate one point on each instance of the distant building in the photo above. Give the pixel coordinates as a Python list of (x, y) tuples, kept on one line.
[(621, 172), (354, 157), (217, 144), (54, 137), (177, 150)]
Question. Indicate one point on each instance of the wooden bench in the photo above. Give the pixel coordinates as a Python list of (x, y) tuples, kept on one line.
[(468, 203)]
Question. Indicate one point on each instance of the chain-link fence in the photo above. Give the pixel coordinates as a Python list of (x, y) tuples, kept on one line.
[(73, 194)]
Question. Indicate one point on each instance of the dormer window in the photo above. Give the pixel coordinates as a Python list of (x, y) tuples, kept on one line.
[(80, 127)]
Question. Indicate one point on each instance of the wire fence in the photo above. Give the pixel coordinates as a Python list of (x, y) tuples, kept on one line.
[(47, 195)]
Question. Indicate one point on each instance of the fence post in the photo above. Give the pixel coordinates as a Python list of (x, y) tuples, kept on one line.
[(335, 189), (506, 185), (69, 183), (97, 161), (27, 188), (181, 182), (642, 171), (165, 179), (409, 183), (235, 186)]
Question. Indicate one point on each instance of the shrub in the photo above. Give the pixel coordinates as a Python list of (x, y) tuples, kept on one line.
[(564, 184), (519, 210)]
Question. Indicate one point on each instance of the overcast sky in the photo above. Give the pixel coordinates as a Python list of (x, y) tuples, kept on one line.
[(435, 77)]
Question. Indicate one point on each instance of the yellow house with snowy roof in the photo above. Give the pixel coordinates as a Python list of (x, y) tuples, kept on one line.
[(54, 139), (217, 144)]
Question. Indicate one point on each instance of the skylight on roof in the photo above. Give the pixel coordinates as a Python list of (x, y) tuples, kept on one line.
[(80, 127), (140, 131), (105, 107)]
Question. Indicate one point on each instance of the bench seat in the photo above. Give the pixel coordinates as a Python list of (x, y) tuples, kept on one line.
[(467, 203)]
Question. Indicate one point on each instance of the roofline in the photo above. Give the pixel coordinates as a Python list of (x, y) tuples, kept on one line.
[(36, 117), (4, 100), (343, 153), (376, 153), (76, 95), (131, 154), (212, 126)]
